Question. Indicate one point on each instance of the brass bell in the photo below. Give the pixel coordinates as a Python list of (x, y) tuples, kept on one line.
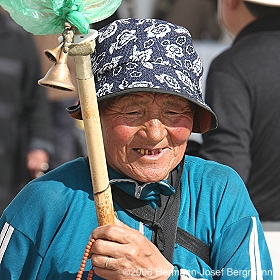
[(58, 76), (53, 54)]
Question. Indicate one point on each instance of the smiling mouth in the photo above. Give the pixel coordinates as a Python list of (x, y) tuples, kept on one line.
[(149, 152)]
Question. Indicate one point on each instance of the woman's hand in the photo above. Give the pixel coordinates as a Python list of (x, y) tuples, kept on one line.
[(37, 162), (120, 252)]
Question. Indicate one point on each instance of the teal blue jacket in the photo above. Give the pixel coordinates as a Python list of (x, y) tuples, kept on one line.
[(45, 229)]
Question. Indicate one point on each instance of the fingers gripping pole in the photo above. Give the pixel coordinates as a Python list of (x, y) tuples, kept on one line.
[(92, 126)]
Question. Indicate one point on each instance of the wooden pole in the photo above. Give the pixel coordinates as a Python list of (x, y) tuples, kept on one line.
[(81, 49)]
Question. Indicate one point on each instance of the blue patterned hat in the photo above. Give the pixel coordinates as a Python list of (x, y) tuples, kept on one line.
[(133, 55)]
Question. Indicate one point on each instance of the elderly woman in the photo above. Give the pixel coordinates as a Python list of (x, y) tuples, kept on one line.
[(179, 217)]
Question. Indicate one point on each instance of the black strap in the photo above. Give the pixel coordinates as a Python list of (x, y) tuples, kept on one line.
[(193, 244), (163, 220), (145, 214)]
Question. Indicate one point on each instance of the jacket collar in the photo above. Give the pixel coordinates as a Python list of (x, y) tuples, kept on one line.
[(148, 192), (260, 25)]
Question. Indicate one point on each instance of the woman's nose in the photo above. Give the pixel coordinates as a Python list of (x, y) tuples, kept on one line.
[(155, 130)]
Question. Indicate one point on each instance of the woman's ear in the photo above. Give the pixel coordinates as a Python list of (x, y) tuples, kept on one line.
[(232, 4)]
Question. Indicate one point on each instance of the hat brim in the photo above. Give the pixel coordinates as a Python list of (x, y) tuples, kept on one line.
[(204, 119), (265, 2)]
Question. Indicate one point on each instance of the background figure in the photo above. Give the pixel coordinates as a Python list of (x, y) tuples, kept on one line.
[(68, 140), (243, 88), (24, 111), (199, 16)]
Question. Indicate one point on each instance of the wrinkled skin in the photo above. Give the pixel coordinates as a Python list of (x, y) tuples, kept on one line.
[(145, 137), (159, 125)]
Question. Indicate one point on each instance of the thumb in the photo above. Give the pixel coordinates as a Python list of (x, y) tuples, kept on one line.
[(120, 223)]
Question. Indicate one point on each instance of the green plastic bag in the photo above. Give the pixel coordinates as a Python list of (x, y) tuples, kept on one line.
[(42, 17)]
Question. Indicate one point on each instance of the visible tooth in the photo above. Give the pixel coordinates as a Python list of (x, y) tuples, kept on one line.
[(149, 152)]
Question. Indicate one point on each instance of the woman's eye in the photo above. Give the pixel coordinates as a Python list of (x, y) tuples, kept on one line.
[(178, 111), (133, 113), (170, 112)]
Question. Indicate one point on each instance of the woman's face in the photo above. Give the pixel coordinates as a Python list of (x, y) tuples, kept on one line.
[(145, 134)]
